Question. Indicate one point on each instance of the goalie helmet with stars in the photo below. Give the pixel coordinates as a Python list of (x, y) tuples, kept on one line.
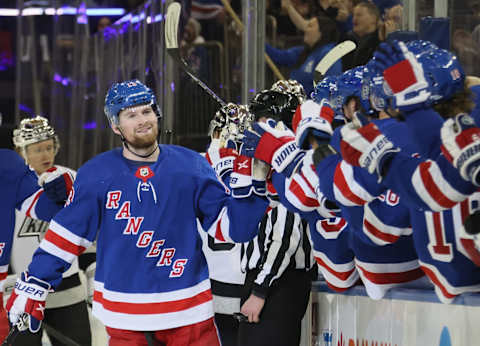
[(230, 120), (34, 130), (128, 94), (290, 86)]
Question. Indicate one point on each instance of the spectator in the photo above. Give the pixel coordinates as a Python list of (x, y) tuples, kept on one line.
[(211, 16), (366, 17), (319, 37), (103, 23)]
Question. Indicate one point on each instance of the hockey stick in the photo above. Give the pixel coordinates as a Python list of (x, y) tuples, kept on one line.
[(239, 22), (335, 54), (171, 41), (22, 325)]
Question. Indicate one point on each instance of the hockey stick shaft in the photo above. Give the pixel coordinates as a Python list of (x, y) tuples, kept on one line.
[(171, 42), (239, 22), (20, 327), (175, 54)]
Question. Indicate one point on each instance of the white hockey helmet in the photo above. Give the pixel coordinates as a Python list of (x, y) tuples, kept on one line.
[(34, 130)]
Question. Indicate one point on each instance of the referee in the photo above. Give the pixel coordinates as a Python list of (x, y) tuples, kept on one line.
[(280, 268)]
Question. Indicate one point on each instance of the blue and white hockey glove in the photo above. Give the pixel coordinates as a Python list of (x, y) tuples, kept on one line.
[(312, 118), (57, 184), (249, 175), (366, 147), (461, 146), (403, 75), (274, 146), (221, 159), (28, 297)]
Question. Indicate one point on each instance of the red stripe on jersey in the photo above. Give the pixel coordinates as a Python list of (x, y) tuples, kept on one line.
[(341, 275), (341, 183), (218, 232), (306, 180), (63, 243), (3, 275), (207, 156), (392, 278), (432, 187), (297, 190), (431, 275), (337, 289), (369, 132), (389, 238), (153, 308), (35, 199)]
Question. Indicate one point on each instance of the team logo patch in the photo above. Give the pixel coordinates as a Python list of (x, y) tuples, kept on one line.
[(144, 173)]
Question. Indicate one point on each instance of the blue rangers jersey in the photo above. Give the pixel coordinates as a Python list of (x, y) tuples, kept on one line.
[(20, 191), (151, 272)]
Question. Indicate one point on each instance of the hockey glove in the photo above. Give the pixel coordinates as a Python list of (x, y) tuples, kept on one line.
[(248, 176), (461, 146), (403, 74), (57, 184), (221, 159), (28, 297), (273, 146), (366, 147), (312, 118)]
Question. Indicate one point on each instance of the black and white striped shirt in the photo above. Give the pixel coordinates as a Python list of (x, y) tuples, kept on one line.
[(282, 243)]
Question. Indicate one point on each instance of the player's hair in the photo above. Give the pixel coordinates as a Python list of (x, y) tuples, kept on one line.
[(459, 102)]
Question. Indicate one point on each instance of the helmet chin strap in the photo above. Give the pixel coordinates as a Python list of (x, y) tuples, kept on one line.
[(125, 143)]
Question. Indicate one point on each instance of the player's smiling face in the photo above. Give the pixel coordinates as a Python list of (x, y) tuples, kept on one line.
[(138, 125)]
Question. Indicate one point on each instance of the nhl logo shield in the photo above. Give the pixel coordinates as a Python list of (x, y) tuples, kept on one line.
[(144, 173)]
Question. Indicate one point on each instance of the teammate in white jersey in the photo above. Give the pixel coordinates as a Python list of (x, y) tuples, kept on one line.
[(66, 309)]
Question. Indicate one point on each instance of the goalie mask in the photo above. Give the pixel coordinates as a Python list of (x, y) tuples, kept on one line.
[(290, 86), (230, 120), (34, 130), (128, 94), (276, 105)]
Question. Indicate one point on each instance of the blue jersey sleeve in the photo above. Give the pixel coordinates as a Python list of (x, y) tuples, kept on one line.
[(70, 232), (284, 57), (426, 184), (222, 215)]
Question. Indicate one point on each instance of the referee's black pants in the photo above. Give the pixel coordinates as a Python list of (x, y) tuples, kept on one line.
[(281, 316)]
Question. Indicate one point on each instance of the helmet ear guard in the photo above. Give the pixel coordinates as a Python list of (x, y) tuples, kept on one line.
[(128, 94)]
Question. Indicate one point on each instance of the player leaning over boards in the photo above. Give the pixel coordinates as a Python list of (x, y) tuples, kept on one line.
[(151, 281), (66, 309)]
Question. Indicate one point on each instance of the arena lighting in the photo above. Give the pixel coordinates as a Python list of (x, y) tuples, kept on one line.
[(36, 11)]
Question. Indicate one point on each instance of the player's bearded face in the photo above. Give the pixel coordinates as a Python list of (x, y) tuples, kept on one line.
[(139, 126)]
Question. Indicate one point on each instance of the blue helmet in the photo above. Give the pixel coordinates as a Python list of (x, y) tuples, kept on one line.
[(443, 72), (350, 84), (128, 94), (324, 89)]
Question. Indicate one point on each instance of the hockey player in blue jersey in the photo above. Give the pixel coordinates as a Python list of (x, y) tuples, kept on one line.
[(141, 202), (20, 191), (66, 309)]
